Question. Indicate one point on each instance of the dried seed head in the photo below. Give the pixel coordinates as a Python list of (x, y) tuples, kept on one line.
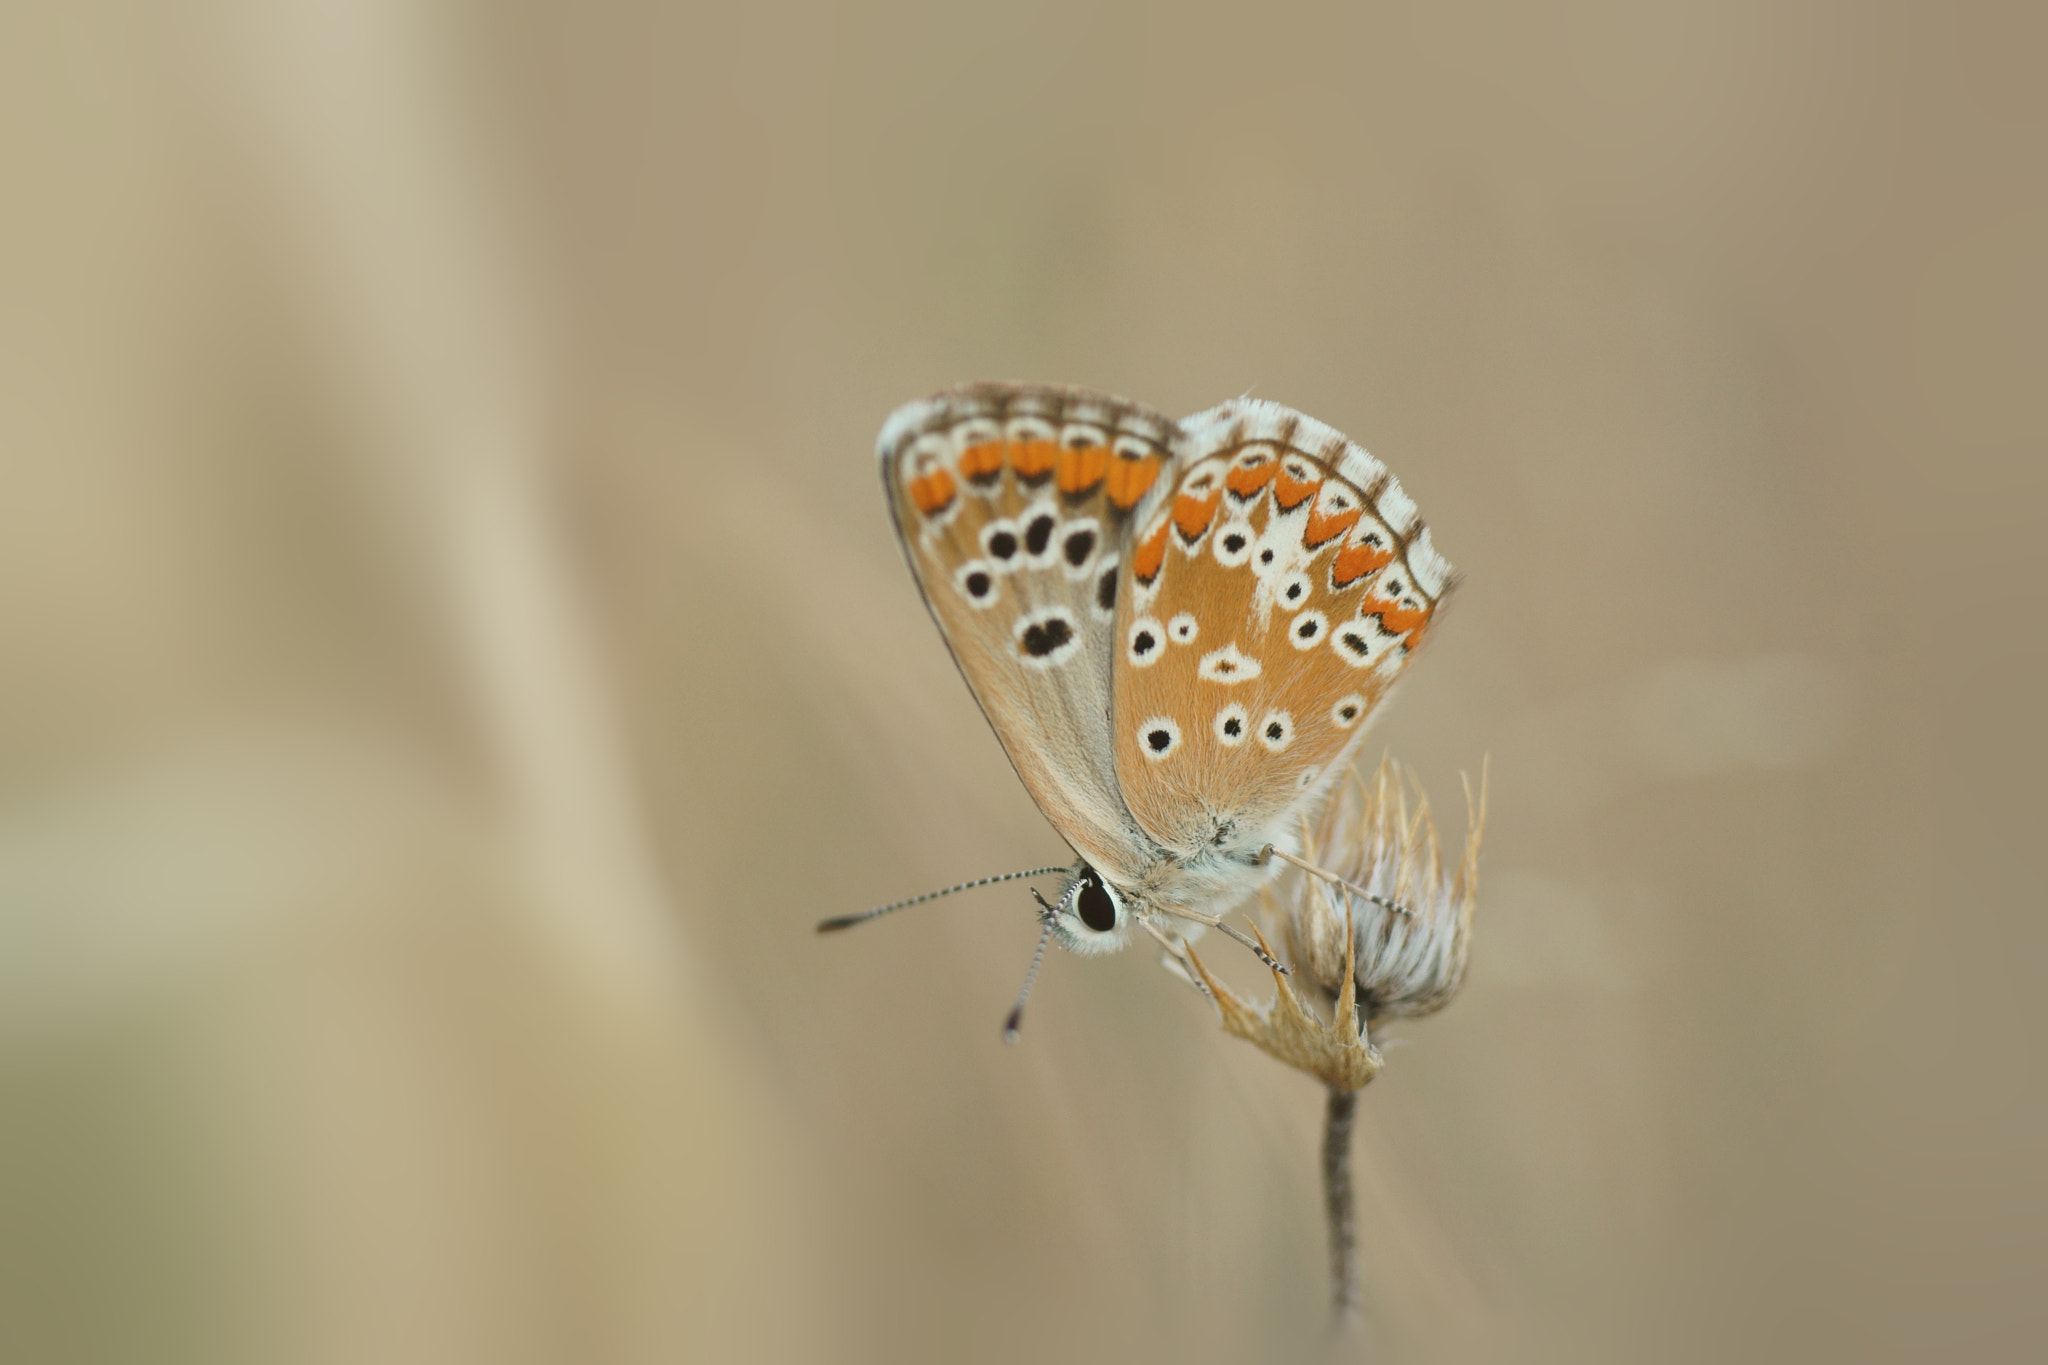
[(1365, 960), (1378, 833)]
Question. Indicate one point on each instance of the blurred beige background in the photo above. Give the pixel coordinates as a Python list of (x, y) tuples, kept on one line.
[(454, 650)]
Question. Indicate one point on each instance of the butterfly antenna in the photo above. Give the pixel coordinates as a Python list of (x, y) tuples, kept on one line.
[(838, 922), (1394, 907), (1014, 1023)]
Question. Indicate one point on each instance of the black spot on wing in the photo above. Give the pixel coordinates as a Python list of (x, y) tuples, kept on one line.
[(1046, 636), (1039, 533)]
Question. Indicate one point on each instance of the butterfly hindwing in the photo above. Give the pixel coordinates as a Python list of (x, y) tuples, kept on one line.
[(1275, 595), (1014, 504)]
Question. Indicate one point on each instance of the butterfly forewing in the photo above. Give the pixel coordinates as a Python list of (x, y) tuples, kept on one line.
[(1276, 591), (1014, 504)]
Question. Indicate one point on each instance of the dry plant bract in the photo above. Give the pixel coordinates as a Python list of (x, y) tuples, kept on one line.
[(1391, 944)]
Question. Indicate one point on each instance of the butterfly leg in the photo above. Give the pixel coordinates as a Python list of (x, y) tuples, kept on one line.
[(1393, 907), (1175, 959), (1216, 923)]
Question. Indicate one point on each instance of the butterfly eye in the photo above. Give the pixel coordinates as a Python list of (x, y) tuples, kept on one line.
[(1090, 913), (1095, 906)]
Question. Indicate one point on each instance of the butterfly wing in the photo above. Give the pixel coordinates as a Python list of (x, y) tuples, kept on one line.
[(1014, 505), (1275, 596)]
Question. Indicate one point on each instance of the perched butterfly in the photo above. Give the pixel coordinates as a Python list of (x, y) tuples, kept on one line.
[(1177, 629)]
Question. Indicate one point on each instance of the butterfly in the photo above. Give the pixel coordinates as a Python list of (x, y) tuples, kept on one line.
[(1177, 629)]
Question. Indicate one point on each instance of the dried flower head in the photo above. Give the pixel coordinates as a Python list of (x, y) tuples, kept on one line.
[(1398, 951)]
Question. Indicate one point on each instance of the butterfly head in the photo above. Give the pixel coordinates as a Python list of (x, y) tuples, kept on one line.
[(1091, 915)]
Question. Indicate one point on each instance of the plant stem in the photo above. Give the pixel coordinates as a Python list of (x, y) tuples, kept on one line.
[(1343, 1107)]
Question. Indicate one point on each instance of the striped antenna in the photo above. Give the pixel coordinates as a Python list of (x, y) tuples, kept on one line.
[(1013, 1024), (838, 922)]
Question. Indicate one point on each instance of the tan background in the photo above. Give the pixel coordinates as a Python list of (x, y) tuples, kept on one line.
[(454, 649)]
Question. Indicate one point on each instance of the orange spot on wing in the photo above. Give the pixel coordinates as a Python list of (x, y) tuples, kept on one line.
[(933, 492), (1290, 493), (1129, 479), (1080, 470), (1244, 484), (1192, 515), (1324, 528), (981, 464), (1151, 554), (1356, 561), (1396, 619), (1033, 459)]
